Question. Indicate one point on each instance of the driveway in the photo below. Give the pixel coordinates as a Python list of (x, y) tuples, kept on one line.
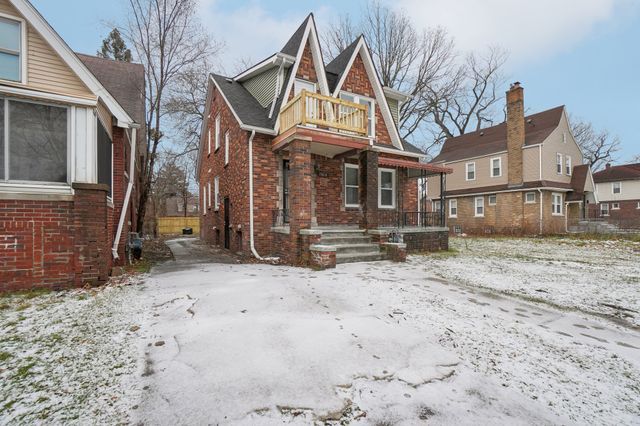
[(370, 343)]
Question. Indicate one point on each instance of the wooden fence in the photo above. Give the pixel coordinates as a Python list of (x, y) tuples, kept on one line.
[(171, 225)]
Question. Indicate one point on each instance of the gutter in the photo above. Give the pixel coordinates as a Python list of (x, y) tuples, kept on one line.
[(127, 197), (251, 239), (541, 210), (278, 88)]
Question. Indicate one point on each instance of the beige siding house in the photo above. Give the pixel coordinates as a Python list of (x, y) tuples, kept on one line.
[(618, 189), (524, 176)]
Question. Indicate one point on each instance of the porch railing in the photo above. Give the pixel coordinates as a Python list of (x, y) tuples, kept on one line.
[(396, 219), (308, 108), (280, 217)]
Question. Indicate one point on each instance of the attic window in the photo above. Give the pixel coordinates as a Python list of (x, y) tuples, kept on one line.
[(11, 42)]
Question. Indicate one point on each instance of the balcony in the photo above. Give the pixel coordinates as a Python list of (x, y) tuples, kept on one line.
[(324, 112)]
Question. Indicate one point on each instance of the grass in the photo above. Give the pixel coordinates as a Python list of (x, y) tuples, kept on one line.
[(5, 356)]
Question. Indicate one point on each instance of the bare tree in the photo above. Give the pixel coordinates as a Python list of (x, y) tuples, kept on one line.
[(450, 95), (598, 147), (168, 39), (636, 159)]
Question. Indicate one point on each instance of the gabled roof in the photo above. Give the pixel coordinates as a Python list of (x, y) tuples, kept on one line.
[(247, 109), (493, 139), (56, 42), (125, 81), (579, 177), (336, 68), (618, 173), (293, 44)]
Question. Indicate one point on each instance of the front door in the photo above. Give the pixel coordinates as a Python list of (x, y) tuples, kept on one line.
[(227, 220)]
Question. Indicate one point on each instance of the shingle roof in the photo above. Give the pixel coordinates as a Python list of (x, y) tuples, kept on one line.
[(494, 139), (124, 80), (243, 103), (293, 44), (618, 173), (337, 67), (411, 148), (578, 181)]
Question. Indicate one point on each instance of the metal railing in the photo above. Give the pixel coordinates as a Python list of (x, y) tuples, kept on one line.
[(308, 108), (280, 217), (397, 219)]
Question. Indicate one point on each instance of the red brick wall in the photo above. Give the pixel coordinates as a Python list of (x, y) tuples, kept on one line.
[(628, 216), (357, 81), (329, 193), (120, 154), (306, 69)]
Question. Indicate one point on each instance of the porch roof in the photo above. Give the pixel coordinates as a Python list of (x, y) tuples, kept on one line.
[(406, 164)]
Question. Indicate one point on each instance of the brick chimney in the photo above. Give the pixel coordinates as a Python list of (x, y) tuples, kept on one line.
[(515, 133)]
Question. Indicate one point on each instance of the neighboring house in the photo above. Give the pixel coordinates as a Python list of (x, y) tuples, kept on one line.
[(293, 151), (618, 189), (68, 126), (524, 176)]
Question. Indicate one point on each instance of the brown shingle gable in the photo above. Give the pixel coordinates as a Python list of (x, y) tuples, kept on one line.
[(617, 173), (493, 139)]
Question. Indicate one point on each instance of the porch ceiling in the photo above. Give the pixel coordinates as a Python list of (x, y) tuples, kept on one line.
[(431, 169)]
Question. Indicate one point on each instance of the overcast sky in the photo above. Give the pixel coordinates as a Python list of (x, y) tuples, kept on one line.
[(584, 54)]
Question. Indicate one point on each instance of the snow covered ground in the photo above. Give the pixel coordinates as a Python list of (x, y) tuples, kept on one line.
[(593, 276), (69, 357), (370, 343)]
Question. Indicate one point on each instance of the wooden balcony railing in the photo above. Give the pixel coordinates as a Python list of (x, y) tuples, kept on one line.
[(309, 108)]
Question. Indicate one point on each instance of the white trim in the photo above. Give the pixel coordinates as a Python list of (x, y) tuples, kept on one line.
[(208, 141), (71, 59), (451, 207), (540, 165), (613, 188), (125, 207), (542, 188), (568, 165), (226, 148), (378, 148), (466, 171), (553, 204), (381, 99), (344, 184), (393, 188), (559, 162), (499, 167), (475, 206), (24, 49), (529, 193), (216, 193), (204, 199), (218, 129), (614, 204), (399, 96), (34, 188), (604, 211), (270, 62), (17, 91), (356, 99), (489, 199), (209, 194)]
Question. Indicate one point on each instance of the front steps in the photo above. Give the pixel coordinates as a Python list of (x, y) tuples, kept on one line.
[(352, 245)]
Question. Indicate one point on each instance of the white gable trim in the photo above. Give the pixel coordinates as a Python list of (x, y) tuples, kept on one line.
[(69, 57), (363, 49)]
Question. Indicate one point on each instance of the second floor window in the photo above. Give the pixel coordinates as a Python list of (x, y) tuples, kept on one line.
[(371, 110), (559, 163), (616, 187), (496, 167), (10, 49), (226, 148), (568, 166), (471, 171)]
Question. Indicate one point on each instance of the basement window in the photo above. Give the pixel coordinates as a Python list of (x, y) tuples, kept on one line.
[(530, 197), (615, 206), (11, 44), (493, 200)]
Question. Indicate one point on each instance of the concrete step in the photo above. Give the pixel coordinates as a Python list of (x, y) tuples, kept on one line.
[(356, 248), (346, 239), (371, 256), (343, 232)]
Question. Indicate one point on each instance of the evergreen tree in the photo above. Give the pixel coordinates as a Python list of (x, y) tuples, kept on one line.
[(114, 47)]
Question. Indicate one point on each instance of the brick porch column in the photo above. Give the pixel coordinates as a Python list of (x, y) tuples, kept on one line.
[(369, 189), (299, 192)]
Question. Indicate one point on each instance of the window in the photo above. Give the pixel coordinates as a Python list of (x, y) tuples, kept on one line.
[(453, 208), (615, 206), (493, 200), (386, 188), (226, 148), (556, 204), (616, 187), (204, 201), (300, 85), (638, 205), (371, 109), (105, 157), (471, 171), (351, 178), (479, 204), (36, 147), (604, 209), (209, 194), (11, 40), (530, 197), (496, 167), (217, 135), (567, 164), (209, 142), (559, 164), (564, 137), (216, 193), (436, 206)]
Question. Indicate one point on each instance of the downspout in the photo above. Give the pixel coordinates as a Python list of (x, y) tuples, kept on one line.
[(127, 197), (279, 79), (252, 242), (540, 202)]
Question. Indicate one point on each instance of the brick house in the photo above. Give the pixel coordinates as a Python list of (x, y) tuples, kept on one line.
[(524, 176), (304, 161), (69, 127), (618, 189)]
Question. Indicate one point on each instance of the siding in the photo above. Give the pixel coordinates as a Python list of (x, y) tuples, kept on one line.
[(457, 180), (531, 164), (105, 116), (393, 106), (554, 144), (630, 190), (263, 86), (46, 71)]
